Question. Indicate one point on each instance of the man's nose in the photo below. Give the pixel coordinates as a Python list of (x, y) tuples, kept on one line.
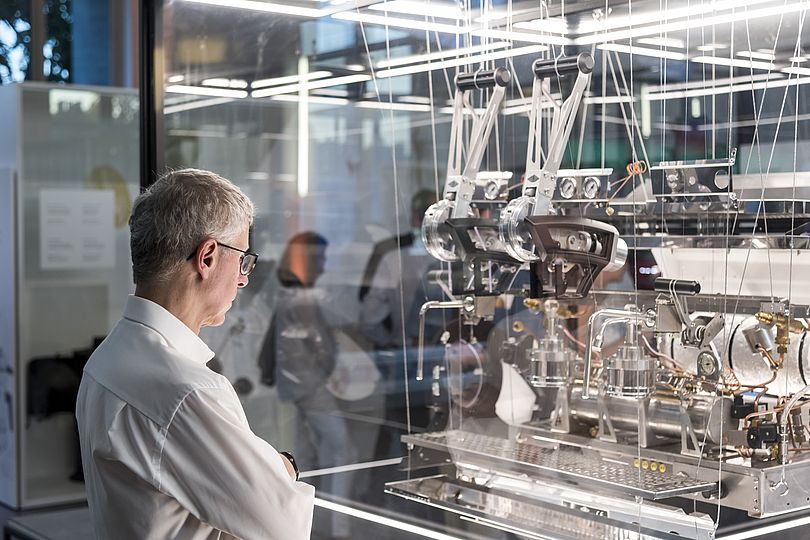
[(243, 281)]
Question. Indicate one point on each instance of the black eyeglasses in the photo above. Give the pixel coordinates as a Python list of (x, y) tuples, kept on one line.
[(247, 262)]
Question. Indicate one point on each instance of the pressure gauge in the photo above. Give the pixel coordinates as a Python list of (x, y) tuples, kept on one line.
[(590, 187), (707, 364), (568, 187)]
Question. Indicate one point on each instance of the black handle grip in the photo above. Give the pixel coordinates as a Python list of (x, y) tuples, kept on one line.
[(483, 79), (582, 62), (680, 286)]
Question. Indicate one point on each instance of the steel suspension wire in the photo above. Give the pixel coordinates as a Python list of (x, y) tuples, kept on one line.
[(396, 207)]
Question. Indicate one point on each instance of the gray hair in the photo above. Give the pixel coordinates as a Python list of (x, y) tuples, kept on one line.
[(176, 213)]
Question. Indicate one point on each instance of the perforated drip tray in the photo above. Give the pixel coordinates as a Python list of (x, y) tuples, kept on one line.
[(542, 519), (585, 467)]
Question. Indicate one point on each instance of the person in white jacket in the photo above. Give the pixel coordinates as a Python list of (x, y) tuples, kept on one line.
[(166, 448)]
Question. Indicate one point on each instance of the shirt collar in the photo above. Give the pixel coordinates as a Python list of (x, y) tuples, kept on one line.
[(177, 334)]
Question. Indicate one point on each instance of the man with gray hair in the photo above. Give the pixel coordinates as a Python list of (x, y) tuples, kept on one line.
[(166, 448)]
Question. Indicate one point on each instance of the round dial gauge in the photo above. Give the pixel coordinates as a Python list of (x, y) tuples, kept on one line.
[(568, 187), (590, 187), (707, 364)]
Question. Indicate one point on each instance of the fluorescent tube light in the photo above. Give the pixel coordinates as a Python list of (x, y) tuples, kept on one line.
[(740, 15), (709, 47), (411, 24), (416, 99), (221, 83), (292, 98), (424, 9), (663, 42), (715, 82), (555, 25), (797, 71), (412, 107), (642, 51), (289, 79), (225, 83), (757, 55), (196, 104), (202, 91), (334, 92), (599, 100), (522, 36), (797, 59), (438, 55), (456, 62), (269, 7), (588, 26), (723, 61), (720, 90), (176, 78), (310, 85), (302, 171)]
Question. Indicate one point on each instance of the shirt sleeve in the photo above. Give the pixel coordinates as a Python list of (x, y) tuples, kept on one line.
[(225, 475)]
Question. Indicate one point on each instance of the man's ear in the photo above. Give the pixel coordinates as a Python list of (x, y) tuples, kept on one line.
[(204, 258)]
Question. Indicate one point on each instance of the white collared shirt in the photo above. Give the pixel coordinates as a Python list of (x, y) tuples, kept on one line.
[(166, 448)]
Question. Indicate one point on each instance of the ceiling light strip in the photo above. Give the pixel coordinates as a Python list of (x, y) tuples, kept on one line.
[(522, 36), (410, 24), (439, 55), (663, 42), (202, 91), (289, 79), (312, 99), (423, 9), (611, 22), (715, 82), (196, 104), (720, 90), (643, 51), (386, 106), (310, 85), (457, 62), (770, 57), (729, 62), (693, 23), (268, 7)]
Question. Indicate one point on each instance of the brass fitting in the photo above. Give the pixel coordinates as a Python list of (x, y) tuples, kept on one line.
[(784, 327), (533, 303)]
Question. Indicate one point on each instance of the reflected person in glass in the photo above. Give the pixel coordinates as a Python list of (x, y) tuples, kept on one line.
[(166, 448), (394, 286), (300, 348)]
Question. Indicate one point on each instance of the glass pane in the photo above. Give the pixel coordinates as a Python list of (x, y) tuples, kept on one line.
[(77, 180), (559, 391)]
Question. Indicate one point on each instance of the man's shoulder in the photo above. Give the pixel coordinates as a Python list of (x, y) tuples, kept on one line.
[(143, 371)]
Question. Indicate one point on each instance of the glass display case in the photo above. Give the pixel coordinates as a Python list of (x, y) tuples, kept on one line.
[(69, 174), (556, 252)]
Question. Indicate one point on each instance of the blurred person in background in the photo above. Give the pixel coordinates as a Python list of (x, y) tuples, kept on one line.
[(299, 355)]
